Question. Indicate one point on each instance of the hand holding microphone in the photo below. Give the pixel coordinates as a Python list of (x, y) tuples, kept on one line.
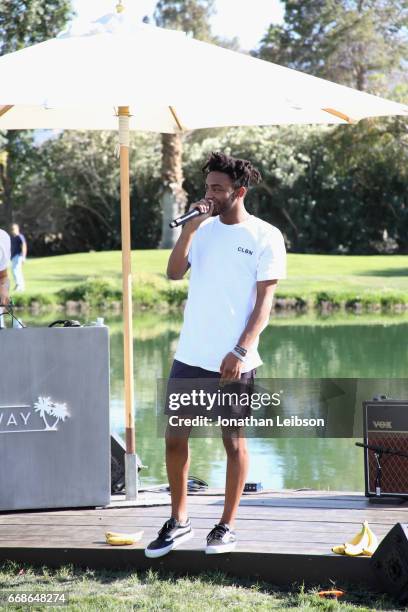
[(197, 213)]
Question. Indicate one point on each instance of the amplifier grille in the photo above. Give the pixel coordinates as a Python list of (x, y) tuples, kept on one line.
[(394, 477)]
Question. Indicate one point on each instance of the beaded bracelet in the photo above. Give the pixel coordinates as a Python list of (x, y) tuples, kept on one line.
[(238, 355), (241, 350)]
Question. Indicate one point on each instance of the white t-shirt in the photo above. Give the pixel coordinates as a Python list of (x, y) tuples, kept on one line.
[(226, 263), (4, 250)]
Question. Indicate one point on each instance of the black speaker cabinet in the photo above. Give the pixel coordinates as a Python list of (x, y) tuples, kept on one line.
[(118, 451), (386, 426), (390, 562)]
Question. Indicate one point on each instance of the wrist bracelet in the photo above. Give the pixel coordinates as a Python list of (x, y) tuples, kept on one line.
[(238, 355), (241, 350)]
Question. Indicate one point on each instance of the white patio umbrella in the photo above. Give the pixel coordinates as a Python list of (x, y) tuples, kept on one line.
[(148, 78)]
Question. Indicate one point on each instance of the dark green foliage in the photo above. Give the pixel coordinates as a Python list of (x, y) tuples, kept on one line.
[(73, 201), (329, 189), (351, 195), (360, 43), (94, 292), (190, 16), (26, 22), (23, 23)]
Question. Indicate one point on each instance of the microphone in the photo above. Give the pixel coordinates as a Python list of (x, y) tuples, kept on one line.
[(376, 449), (382, 450), (186, 217)]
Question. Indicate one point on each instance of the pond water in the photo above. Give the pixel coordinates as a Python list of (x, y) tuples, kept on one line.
[(301, 347)]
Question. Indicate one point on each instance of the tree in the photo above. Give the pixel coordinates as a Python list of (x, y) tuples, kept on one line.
[(23, 23), (329, 189), (359, 43), (192, 17), (360, 171), (73, 198)]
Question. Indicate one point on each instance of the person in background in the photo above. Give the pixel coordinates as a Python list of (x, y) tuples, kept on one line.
[(4, 262), (18, 255)]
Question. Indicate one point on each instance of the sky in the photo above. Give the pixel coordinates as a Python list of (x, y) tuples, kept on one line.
[(246, 19)]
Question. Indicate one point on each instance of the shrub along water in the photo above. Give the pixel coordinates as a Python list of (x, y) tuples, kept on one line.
[(158, 293)]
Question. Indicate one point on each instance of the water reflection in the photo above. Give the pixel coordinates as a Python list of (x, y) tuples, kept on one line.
[(350, 347)]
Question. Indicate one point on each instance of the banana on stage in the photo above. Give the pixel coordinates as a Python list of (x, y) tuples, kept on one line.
[(122, 539), (372, 543), (364, 543), (339, 550)]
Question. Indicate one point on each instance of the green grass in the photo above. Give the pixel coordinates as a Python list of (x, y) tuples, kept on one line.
[(346, 274), (366, 281), (307, 274), (90, 590), (50, 274)]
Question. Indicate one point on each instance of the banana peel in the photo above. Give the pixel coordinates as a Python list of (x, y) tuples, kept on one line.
[(123, 539), (339, 550), (369, 550), (364, 543)]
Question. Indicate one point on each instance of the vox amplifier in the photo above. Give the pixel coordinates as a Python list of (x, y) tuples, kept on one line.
[(385, 447)]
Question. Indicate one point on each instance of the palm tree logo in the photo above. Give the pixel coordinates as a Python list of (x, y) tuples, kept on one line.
[(45, 406)]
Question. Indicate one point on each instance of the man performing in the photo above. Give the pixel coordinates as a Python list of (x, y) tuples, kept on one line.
[(236, 260), (4, 261)]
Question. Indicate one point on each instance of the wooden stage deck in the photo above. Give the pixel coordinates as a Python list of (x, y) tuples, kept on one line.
[(283, 537)]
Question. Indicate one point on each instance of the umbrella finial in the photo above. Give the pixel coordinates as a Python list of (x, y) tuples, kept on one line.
[(119, 7)]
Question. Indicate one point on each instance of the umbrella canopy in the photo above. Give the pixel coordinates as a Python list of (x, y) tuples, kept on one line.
[(169, 82)]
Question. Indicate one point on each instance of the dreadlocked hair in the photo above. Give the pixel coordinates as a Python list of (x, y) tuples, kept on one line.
[(241, 171)]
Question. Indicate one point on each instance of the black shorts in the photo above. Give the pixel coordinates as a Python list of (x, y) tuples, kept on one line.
[(207, 397)]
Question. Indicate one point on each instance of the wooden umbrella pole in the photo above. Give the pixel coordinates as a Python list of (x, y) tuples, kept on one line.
[(131, 464)]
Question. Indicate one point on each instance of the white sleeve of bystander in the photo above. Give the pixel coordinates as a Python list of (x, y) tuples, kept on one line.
[(4, 250)]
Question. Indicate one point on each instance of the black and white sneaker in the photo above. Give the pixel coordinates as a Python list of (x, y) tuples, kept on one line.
[(220, 540), (172, 534)]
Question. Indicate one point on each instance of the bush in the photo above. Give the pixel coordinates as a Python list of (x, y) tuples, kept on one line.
[(155, 292), (175, 295), (324, 298), (95, 292), (26, 300), (391, 300), (147, 295)]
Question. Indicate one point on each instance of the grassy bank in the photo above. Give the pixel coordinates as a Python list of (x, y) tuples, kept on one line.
[(324, 282), (108, 590)]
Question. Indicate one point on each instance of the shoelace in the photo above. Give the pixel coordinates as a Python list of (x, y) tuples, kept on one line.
[(219, 530), (168, 526)]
